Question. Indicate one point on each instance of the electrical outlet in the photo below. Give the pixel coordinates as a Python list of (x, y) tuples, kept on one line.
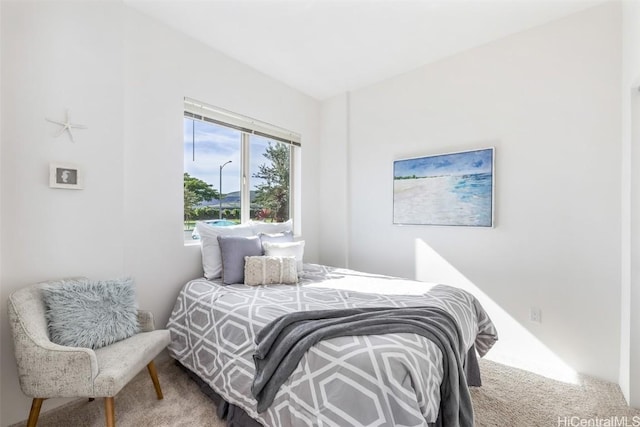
[(535, 315)]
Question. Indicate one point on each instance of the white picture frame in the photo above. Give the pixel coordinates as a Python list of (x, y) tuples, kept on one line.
[(66, 175)]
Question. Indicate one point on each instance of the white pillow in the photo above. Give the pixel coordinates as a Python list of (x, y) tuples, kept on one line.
[(271, 227), (285, 237), (295, 249), (269, 270), (211, 257)]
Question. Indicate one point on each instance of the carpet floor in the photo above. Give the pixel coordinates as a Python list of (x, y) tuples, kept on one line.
[(508, 397)]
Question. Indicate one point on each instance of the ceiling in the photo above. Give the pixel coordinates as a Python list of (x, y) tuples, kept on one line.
[(327, 47)]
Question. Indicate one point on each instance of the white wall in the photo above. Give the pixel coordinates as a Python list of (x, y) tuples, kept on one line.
[(334, 210), (56, 57), (630, 298), (124, 76), (548, 99)]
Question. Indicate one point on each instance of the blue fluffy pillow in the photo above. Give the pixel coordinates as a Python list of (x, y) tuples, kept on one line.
[(92, 314)]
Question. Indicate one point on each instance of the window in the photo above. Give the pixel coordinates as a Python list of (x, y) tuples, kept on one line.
[(235, 168)]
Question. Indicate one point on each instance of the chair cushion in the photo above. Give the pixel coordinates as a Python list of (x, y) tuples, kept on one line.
[(92, 314), (120, 362)]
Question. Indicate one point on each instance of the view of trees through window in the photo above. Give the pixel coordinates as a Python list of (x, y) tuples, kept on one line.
[(216, 158)]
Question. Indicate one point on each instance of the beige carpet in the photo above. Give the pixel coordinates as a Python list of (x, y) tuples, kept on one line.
[(509, 397), (513, 397)]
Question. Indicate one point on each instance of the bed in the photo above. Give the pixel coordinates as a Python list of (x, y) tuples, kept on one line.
[(369, 380)]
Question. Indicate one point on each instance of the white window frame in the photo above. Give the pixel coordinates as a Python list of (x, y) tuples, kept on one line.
[(197, 110)]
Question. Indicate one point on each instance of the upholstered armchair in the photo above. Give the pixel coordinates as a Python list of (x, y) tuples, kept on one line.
[(48, 370)]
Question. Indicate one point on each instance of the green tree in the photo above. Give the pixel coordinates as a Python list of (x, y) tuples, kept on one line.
[(196, 191), (273, 194), (190, 201)]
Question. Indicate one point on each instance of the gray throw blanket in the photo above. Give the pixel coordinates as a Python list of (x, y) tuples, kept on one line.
[(282, 343)]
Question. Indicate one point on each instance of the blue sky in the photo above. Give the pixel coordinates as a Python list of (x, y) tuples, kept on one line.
[(466, 163), (214, 146)]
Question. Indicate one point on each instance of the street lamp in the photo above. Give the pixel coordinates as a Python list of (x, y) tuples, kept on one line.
[(220, 195)]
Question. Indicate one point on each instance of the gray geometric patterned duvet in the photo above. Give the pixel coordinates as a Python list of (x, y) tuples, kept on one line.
[(376, 380)]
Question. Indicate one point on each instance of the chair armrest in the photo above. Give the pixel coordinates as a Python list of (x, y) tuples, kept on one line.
[(145, 320), (70, 371), (46, 369)]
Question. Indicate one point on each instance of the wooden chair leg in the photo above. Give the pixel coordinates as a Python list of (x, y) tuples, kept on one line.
[(36, 404), (154, 377), (110, 411)]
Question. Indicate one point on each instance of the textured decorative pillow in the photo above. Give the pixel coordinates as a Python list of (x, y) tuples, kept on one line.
[(269, 270), (295, 249), (233, 250), (285, 237), (211, 258), (93, 314), (271, 227)]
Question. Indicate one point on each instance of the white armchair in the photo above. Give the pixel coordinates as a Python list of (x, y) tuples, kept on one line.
[(48, 370)]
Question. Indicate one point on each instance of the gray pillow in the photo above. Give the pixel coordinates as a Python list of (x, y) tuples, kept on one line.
[(92, 314), (233, 249)]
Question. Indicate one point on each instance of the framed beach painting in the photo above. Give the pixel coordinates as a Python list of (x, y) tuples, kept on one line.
[(445, 189)]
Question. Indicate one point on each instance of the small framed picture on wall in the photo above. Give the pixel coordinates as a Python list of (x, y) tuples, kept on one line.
[(64, 175)]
